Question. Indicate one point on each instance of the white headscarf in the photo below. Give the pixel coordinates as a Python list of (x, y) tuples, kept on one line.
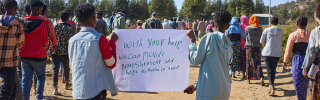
[(314, 45)]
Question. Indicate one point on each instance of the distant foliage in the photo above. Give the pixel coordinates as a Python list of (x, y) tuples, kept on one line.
[(286, 34)]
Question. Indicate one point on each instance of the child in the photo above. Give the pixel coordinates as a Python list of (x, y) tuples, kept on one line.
[(234, 33), (11, 45), (213, 53), (92, 57), (298, 44), (63, 32), (33, 52)]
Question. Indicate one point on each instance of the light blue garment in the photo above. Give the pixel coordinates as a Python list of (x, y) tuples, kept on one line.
[(272, 39), (311, 55), (213, 53), (235, 29), (90, 74)]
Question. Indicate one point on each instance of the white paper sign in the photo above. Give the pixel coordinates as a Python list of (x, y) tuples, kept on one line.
[(152, 60)]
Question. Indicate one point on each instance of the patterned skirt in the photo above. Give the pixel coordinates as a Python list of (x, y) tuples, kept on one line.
[(253, 67), (235, 59), (243, 59), (299, 81)]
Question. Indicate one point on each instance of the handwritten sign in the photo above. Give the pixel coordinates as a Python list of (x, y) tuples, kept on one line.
[(152, 60)]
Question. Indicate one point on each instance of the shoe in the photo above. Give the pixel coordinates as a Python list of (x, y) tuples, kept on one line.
[(55, 92), (271, 93), (68, 85), (63, 81), (262, 83)]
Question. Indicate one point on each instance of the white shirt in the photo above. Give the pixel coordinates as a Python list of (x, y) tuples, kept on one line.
[(128, 22)]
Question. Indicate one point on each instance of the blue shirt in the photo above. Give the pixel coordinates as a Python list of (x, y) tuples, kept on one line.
[(213, 53), (110, 22), (174, 25)]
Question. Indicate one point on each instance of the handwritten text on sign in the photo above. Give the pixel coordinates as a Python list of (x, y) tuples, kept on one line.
[(152, 60)]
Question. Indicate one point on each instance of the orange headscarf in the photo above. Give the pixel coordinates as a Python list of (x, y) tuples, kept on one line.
[(254, 21)]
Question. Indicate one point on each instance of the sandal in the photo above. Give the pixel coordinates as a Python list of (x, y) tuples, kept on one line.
[(262, 83)]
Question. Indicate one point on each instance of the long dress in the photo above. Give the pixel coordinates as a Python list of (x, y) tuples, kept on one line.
[(235, 59), (253, 67), (297, 43)]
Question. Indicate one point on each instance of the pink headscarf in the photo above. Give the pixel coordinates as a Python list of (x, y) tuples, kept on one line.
[(244, 23)]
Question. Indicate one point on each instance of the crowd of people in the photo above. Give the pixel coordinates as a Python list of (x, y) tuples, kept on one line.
[(226, 45)]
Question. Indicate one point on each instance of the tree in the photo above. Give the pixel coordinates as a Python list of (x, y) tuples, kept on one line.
[(295, 15), (122, 5), (144, 11), (284, 13), (56, 6), (71, 5), (164, 8), (260, 7), (209, 9), (193, 8)]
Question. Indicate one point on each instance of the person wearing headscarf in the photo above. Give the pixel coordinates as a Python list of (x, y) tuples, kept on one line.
[(298, 44), (234, 33), (253, 52), (312, 57), (271, 39), (244, 24)]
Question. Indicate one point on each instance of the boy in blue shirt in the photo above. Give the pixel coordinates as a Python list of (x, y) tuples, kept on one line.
[(213, 53)]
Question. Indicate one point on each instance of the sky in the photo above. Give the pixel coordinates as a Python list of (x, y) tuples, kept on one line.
[(266, 2)]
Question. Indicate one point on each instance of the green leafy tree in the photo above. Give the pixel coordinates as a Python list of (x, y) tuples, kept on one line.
[(56, 6), (295, 15), (193, 9), (284, 13), (164, 8), (122, 5), (260, 7)]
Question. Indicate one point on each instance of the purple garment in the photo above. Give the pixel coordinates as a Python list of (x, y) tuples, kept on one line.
[(8, 19), (299, 81)]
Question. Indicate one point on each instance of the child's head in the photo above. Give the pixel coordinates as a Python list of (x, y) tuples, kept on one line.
[(99, 14), (10, 6), (36, 7), (302, 22), (64, 16), (221, 19), (274, 20), (27, 9), (317, 13), (85, 14), (44, 10)]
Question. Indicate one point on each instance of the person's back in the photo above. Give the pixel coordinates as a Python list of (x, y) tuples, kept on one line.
[(92, 57), (272, 39), (101, 27), (153, 22), (118, 21), (253, 35), (189, 25), (174, 25), (195, 26), (213, 53)]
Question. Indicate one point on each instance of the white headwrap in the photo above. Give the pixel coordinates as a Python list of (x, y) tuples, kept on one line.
[(314, 45)]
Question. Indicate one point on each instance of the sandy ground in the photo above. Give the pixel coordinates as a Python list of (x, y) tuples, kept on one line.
[(240, 89)]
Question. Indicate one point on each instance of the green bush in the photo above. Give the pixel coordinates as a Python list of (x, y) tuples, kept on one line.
[(286, 34)]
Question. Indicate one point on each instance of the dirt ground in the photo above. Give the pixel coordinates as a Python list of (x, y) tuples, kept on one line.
[(240, 90)]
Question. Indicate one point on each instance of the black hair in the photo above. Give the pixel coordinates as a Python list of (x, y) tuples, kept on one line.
[(67, 10), (64, 15), (100, 13), (222, 17), (174, 19), (27, 8), (123, 11), (9, 4), (113, 12), (84, 11), (317, 11), (36, 3), (302, 21), (44, 8), (274, 20)]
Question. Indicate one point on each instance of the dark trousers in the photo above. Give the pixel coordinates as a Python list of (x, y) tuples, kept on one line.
[(56, 59), (271, 64), (8, 84), (101, 96)]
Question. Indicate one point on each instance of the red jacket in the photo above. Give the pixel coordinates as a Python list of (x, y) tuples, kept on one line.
[(36, 36)]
